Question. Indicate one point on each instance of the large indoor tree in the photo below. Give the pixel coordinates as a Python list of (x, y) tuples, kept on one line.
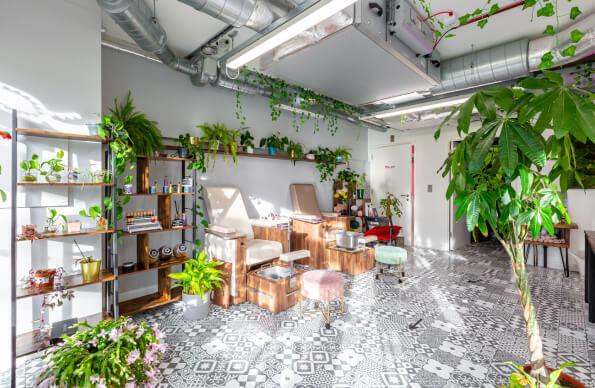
[(509, 174)]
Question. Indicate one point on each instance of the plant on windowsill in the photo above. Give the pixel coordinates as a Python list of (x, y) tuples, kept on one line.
[(498, 176), (247, 141), (54, 167), (30, 167), (199, 278), (217, 137), (111, 354), (274, 143)]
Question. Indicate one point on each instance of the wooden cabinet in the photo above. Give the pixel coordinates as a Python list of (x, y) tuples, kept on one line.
[(311, 236), (272, 234), (350, 262), (274, 295)]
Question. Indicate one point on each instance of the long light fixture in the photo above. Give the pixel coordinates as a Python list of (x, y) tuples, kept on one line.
[(416, 108), (317, 13), (400, 99)]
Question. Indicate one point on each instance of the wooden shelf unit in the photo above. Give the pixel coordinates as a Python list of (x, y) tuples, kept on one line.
[(58, 135), (28, 343), (165, 294), (68, 282), (64, 184)]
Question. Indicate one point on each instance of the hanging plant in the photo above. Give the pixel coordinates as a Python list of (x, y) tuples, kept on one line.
[(195, 151), (217, 137), (348, 176), (326, 163)]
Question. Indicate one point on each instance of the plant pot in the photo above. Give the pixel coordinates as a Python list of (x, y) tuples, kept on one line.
[(50, 229), (194, 140), (339, 159), (564, 380), (195, 307), (360, 193), (53, 177), (310, 156), (182, 152), (101, 223), (29, 177), (248, 150), (73, 227), (272, 151), (74, 176), (90, 270)]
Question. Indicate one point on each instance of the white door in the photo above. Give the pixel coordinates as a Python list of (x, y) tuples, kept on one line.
[(391, 170)]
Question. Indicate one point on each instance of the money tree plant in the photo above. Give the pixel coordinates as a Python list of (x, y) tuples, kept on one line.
[(499, 177)]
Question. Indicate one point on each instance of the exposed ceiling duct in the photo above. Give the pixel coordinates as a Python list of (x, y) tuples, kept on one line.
[(134, 17), (254, 14)]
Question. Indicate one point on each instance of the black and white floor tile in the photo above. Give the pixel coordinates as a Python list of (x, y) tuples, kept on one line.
[(471, 325)]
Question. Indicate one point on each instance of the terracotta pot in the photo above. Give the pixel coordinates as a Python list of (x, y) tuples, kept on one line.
[(564, 380)]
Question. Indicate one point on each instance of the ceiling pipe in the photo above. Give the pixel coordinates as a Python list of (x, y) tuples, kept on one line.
[(134, 17), (254, 14)]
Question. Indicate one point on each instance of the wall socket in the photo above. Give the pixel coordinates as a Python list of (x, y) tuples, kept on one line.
[(429, 188)]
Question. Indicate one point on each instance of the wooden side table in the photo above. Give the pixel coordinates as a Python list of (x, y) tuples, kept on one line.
[(563, 246)]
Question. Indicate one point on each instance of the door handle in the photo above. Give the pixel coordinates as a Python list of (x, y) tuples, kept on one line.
[(406, 196)]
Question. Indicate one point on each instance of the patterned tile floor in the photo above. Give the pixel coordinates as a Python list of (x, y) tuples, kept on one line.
[(471, 325)]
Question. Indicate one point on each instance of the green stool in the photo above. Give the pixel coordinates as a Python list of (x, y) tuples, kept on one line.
[(390, 257)]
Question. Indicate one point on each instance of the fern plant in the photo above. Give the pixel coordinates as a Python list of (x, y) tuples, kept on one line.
[(145, 136), (218, 137)]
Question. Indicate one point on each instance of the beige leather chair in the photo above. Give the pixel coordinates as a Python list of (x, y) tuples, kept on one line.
[(230, 237)]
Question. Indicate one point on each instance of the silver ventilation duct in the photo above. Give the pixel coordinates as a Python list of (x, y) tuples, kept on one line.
[(514, 59), (254, 14), (134, 17)]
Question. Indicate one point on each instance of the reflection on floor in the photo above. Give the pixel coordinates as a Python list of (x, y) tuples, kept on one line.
[(471, 325)]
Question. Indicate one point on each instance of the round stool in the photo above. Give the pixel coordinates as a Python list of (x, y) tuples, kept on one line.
[(390, 256), (323, 287)]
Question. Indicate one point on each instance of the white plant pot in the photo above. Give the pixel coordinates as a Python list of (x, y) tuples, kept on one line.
[(195, 307)]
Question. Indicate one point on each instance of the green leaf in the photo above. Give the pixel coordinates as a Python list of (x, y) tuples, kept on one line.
[(569, 51), (574, 12), (482, 23), (535, 83), (494, 8), (547, 60), (3, 195), (483, 146), (546, 11), (508, 149), (549, 30), (546, 219), (465, 111), (554, 77), (529, 143), (526, 180), (576, 35), (473, 212), (529, 4)]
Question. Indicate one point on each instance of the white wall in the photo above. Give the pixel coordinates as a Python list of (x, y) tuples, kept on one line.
[(51, 60), (178, 106)]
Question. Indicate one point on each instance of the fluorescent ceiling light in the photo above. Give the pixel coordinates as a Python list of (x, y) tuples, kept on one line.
[(399, 99), (309, 18), (417, 108)]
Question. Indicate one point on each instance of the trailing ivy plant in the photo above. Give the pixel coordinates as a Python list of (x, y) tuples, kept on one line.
[(306, 103), (348, 175), (326, 163), (498, 174), (541, 9)]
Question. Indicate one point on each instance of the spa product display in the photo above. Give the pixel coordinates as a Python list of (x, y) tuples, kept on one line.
[(179, 220), (142, 221), (180, 250), (43, 277), (127, 266), (153, 255)]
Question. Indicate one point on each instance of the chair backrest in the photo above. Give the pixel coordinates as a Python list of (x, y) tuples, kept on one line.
[(225, 207), (303, 196)]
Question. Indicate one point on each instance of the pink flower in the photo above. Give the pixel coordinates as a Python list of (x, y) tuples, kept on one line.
[(158, 334), (150, 356), (47, 383), (102, 333), (115, 334), (133, 356), (98, 381), (140, 331), (93, 342), (131, 384)]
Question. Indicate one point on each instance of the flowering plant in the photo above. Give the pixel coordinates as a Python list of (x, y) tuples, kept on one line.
[(342, 195), (116, 353)]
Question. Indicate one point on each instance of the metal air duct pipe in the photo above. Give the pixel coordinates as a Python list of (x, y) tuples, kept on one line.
[(254, 14), (134, 17)]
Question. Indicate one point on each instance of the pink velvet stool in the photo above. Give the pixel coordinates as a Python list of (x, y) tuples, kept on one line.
[(323, 287)]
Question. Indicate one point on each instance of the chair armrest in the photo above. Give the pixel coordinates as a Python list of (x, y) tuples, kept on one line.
[(226, 236)]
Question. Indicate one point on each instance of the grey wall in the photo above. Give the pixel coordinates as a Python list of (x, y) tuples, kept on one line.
[(169, 98), (51, 63)]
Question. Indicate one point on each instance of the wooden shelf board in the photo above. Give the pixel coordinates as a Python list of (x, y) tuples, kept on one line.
[(148, 302), (167, 158), (68, 282), (256, 154), (58, 135), (159, 194), (564, 225), (156, 231), (139, 267), (83, 232), (63, 184), (548, 244), (28, 344)]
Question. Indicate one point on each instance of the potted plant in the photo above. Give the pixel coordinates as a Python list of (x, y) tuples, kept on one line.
[(30, 166), (347, 175), (184, 141), (114, 353), (247, 142), (95, 214), (90, 267), (198, 278), (274, 143), (498, 177), (342, 155), (326, 163), (295, 151), (361, 186), (195, 152), (145, 137), (54, 167), (217, 137), (51, 225)]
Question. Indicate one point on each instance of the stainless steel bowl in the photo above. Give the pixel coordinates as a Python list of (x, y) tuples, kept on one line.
[(348, 240)]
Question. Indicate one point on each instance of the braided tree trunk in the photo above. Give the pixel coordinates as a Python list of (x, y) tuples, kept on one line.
[(538, 368)]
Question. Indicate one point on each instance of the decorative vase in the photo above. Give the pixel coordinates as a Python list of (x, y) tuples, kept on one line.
[(182, 152), (101, 223), (194, 140), (50, 229), (53, 177), (29, 177), (310, 156), (339, 159), (249, 150), (272, 151), (195, 307), (74, 175), (90, 270)]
